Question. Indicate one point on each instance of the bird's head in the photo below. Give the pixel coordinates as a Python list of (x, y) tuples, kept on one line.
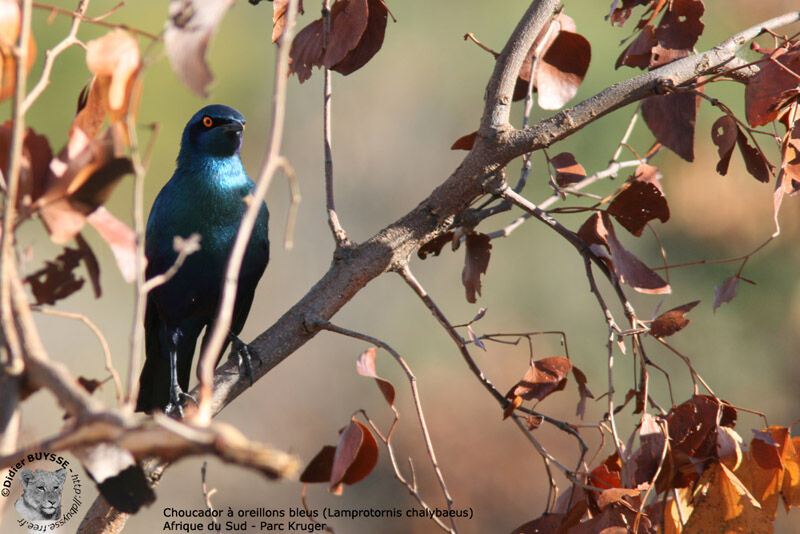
[(215, 130)]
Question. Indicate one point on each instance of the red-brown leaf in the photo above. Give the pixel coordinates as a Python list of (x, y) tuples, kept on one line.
[(638, 53), (568, 170), (356, 456), (115, 60), (773, 87), (190, 25), (365, 366), (788, 182), (319, 468), (561, 71), (723, 134), (89, 384), (465, 142), (476, 261), (755, 161), (638, 204), (542, 378), (279, 17), (726, 291), (680, 27), (56, 280), (434, 246), (120, 238), (306, 51), (348, 23), (546, 524), (77, 184), (10, 23), (672, 118), (672, 321), (583, 391), (371, 40), (598, 233)]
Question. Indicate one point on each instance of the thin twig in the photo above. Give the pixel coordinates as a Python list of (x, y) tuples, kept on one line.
[(325, 325), (51, 55), (103, 344), (140, 294), (96, 20), (333, 219), (207, 494)]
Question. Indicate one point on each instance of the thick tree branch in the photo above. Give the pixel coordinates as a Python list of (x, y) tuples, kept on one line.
[(567, 122)]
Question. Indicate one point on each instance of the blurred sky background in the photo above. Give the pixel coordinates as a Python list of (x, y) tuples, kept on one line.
[(393, 124)]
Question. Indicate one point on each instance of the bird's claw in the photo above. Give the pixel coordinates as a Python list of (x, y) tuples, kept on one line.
[(176, 399), (245, 354)]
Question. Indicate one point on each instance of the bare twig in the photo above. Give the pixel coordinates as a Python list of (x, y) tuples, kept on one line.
[(412, 380), (96, 20), (333, 219), (207, 494), (100, 337), (51, 55)]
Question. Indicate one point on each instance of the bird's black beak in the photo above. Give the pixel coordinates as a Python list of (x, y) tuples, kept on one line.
[(234, 126)]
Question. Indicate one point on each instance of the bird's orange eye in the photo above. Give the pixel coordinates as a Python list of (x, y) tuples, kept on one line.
[(208, 122)]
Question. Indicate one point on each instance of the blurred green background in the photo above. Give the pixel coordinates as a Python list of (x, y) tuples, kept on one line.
[(393, 124)]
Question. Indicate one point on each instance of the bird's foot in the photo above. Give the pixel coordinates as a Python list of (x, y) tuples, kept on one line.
[(245, 354), (176, 399)]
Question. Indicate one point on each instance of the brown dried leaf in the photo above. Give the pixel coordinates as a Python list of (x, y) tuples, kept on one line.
[(356, 456), (543, 525), (465, 142), (348, 23), (319, 468), (57, 280), (515, 403), (672, 118), (434, 246), (279, 8), (91, 264), (120, 237), (77, 184), (606, 475), (615, 495), (724, 133), (769, 91), (789, 178), (115, 61), (306, 51), (729, 447), (568, 170), (476, 261), (672, 321), (36, 156), (722, 503), (598, 232), (542, 378), (190, 25), (791, 475), (755, 161), (357, 32), (648, 456), (583, 391), (725, 292), (371, 40), (89, 384), (562, 69), (92, 110), (10, 21), (639, 52), (365, 366), (680, 27), (638, 204)]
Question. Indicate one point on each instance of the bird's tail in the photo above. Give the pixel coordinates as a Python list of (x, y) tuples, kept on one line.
[(154, 380)]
